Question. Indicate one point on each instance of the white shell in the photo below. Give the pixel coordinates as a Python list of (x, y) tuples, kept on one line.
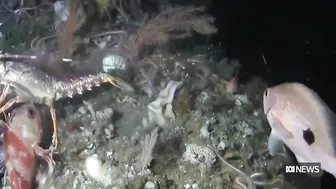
[(93, 166), (113, 62), (150, 185)]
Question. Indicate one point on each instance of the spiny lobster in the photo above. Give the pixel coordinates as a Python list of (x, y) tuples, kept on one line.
[(32, 84)]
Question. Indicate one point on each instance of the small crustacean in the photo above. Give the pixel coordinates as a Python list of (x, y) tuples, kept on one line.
[(22, 138), (32, 84)]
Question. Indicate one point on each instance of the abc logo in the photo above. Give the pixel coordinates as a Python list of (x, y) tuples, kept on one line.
[(312, 170)]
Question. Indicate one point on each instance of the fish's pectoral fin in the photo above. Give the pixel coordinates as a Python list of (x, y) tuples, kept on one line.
[(279, 127), (275, 144)]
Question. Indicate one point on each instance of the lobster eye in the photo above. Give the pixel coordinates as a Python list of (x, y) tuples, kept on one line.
[(31, 113)]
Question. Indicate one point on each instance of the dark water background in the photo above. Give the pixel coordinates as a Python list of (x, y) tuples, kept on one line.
[(298, 40)]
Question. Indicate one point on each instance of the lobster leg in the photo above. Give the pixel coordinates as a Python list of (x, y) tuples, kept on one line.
[(54, 143), (10, 103), (4, 93)]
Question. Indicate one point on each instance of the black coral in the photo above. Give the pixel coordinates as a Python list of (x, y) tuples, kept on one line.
[(67, 39), (176, 23)]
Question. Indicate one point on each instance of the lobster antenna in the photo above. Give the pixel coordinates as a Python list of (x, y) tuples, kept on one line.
[(17, 56)]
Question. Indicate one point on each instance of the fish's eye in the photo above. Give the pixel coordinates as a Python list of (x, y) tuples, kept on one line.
[(31, 113), (266, 93)]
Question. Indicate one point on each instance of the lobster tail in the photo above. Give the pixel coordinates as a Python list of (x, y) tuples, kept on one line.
[(71, 86)]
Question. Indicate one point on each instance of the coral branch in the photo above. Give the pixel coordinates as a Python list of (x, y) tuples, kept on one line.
[(177, 23), (66, 31)]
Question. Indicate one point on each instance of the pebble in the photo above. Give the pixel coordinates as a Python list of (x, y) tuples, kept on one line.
[(90, 145), (221, 145), (195, 186), (204, 133), (108, 133), (93, 166), (150, 185), (187, 186), (81, 110)]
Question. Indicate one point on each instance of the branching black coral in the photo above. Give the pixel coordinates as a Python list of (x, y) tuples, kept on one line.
[(66, 31), (173, 24)]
